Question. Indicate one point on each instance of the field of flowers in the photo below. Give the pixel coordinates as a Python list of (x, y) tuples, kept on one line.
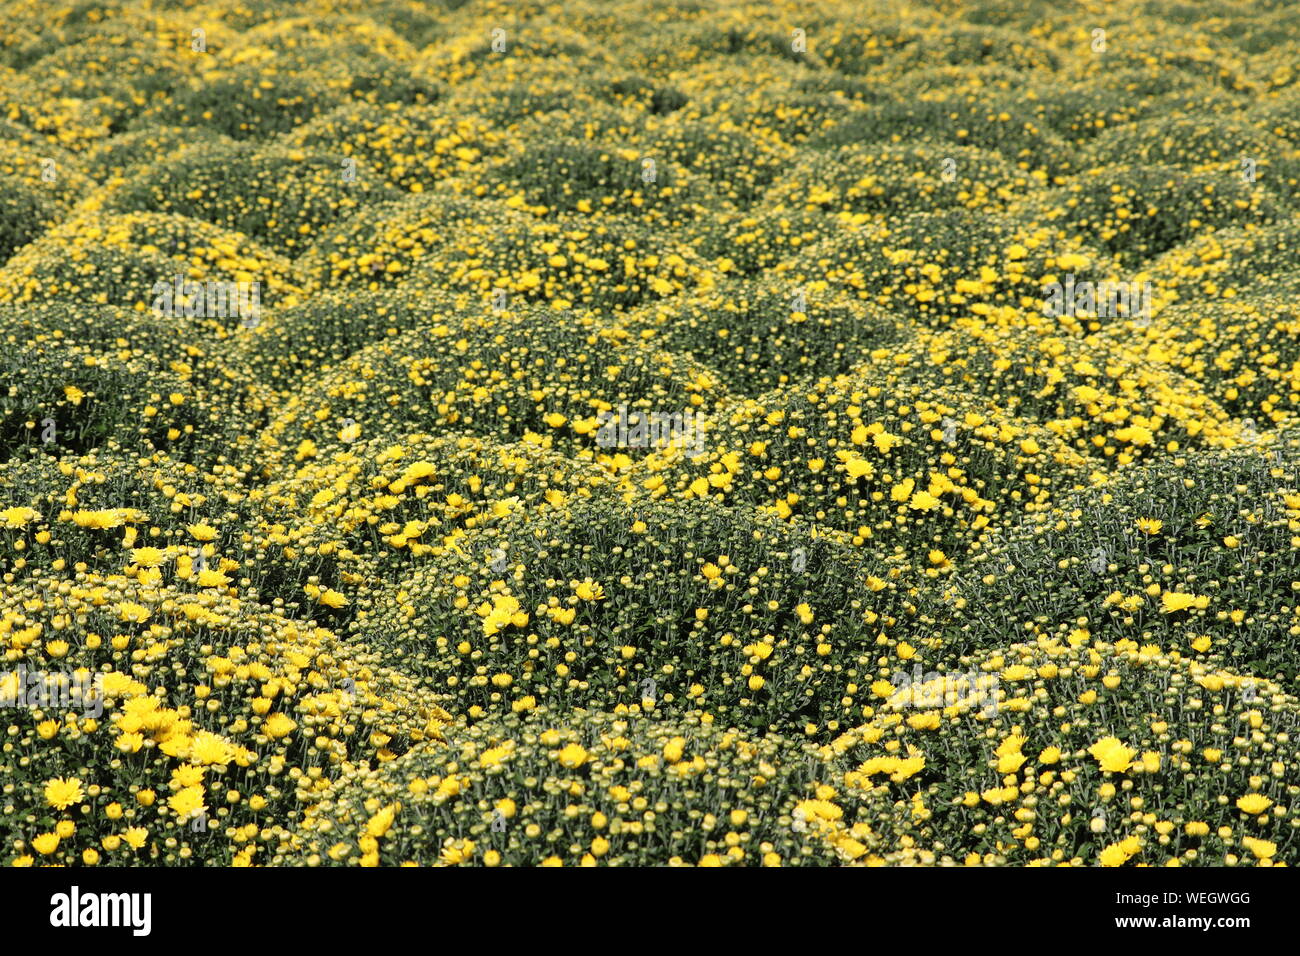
[(658, 432)]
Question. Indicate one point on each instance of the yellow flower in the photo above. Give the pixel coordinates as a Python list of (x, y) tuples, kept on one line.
[(148, 557), (1150, 525), (278, 725), (202, 532), (1253, 803), (925, 721), (213, 579), (1011, 745), (61, 793), (1263, 849), (1112, 754), (1010, 763), (332, 598), (187, 803), (1171, 602), (379, 824), (17, 517), (1114, 855), (923, 501), (573, 756), (817, 810), (46, 843)]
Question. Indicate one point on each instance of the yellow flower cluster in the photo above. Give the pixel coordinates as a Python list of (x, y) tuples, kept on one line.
[(972, 542)]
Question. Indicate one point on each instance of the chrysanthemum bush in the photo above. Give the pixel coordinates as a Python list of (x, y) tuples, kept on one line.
[(349, 55), (1101, 393), (278, 196), (601, 120), (322, 331), (32, 160), (117, 68), (383, 573), (962, 120), (69, 124), (912, 473), (206, 701), (1185, 142), (467, 51), (99, 259), (413, 148), (1227, 262), (1244, 353), (574, 788), (1277, 115), (441, 239), (1097, 753), (939, 266), (751, 244), (764, 622), (118, 156), (1135, 212), (38, 32), (739, 165), (257, 713), (338, 528), (514, 101), (750, 87), (25, 212), (901, 46), (908, 177), (764, 334), (536, 374), (249, 101), (591, 177), (1190, 554), (81, 377)]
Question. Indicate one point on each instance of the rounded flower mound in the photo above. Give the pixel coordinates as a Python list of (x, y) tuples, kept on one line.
[(1193, 554), (575, 788), (765, 622), (1068, 751)]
